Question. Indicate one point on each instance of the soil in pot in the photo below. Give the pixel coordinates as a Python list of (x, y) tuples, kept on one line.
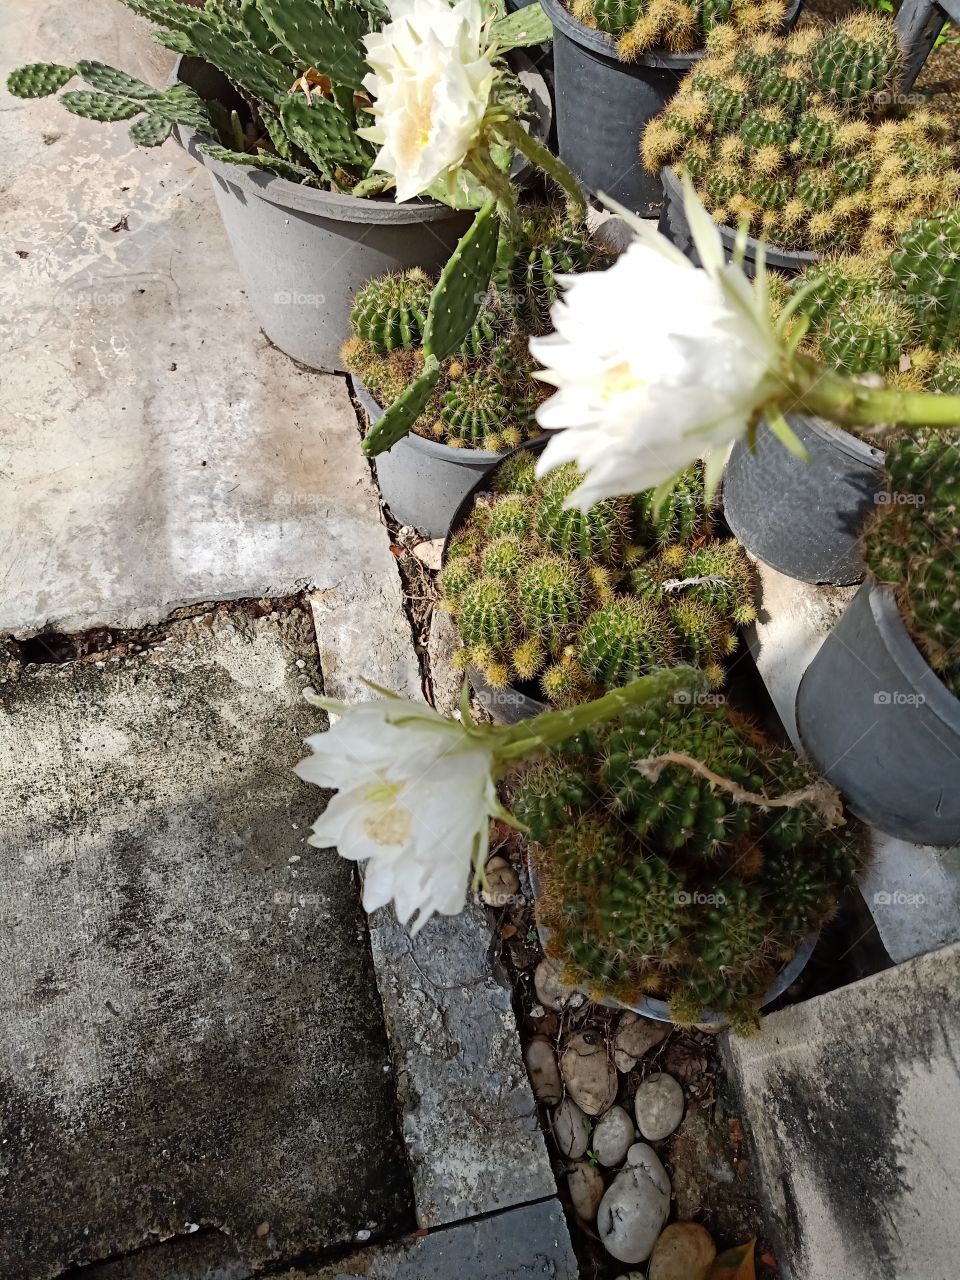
[(603, 104), (804, 517)]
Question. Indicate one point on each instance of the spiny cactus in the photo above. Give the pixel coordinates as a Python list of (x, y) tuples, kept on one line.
[(720, 575), (391, 311), (547, 246), (503, 558), (517, 474), (681, 513), (474, 407), (656, 881), (599, 534), (926, 266), (623, 640), (552, 599), (485, 616), (857, 58), (870, 333)]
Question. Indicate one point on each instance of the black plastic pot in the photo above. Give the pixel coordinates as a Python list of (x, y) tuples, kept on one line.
[(424, 482), (804, 518), (673, 224), (881, 726), (603, 104)]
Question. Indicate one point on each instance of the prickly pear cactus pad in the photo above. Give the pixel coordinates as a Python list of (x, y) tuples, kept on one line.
[(656, 879), (639, 25), (908, 544), (597, 598), (805, 140)]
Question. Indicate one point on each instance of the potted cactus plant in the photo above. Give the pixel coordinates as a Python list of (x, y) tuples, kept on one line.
[(665, 878), (616, 64), (796, 140), (269, 96), (897, 317), (484, 400), (879, 707), (553, 604)]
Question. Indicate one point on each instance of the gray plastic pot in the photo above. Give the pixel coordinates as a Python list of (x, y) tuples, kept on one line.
[(303, 253), (659, 1010), (804, 518), (603, 104), (881, 726), (422, 481), (673, 224)]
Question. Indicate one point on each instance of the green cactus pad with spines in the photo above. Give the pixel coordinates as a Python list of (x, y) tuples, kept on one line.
[(99, 106), (926, 267), (256, 28), (327, 39), (241, 61), (599, 534), (462, 286), (261, 160), (165, 13), (391, 312), (399, 418), (485, 616), (857, 59), (623, 640), (869, 335), (522, 28), (150, 131), (322, 131), (551, 599), (39, 79), (107, 79)]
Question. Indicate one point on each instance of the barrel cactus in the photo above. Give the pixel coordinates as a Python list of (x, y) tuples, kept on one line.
[(599, 534), (857, 59), (391, 311), (623, 640)]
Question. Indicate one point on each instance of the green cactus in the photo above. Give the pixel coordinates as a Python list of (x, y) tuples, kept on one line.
[(857, 59), (926, 267), (703, 639), (503, 558), (815, 135), (786, 88), (456, 576), (322, 131), (615, 16), (599, 534), (713, 12), (728, 105), (99, 106), (551, 791), (328, 40), (456, 301), (475, 407), (39, 79), (681, 513), (552, 599), (854, 172), (391, 312), (946, 378), (720, 575), (836, 282), (517, 474), (397, 421), (511, 516), (485, 616), (623, 640), (767, 126), (547, 246), (816, 187), (870, 334)]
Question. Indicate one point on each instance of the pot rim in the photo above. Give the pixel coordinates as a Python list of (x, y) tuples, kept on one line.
[(841, 441), (659, 1010), (433, 448), (606, 46), (338, 205), (906, 654), (788, 257)]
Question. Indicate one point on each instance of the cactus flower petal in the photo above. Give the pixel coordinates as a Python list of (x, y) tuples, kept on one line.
[(656, 363), (431, 83), (414, 795)]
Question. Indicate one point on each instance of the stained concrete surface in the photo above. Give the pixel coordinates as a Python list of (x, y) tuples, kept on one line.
[(854, 1103), (155, 449), (190, 1027)]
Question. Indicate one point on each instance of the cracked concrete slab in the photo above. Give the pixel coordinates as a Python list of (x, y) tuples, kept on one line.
[(156, 450), (190, 1029)]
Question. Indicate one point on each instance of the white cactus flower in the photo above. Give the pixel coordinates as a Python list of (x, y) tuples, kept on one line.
[(414, 795), (431, 83), (656, 363)]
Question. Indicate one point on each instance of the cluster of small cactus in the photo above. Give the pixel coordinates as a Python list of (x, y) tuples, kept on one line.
[(896, 314), (790, 136), (661, 882), (584, 601), (640, 25), (544, 245), (909, 543), (298, 65), (484, 395)]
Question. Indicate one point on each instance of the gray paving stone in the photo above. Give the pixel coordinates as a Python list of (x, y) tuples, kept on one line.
[(190, 1030)]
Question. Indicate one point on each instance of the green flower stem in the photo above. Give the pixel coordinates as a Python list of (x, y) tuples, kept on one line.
[(498, 184), (852, 404), (530, 737), (538, 155)]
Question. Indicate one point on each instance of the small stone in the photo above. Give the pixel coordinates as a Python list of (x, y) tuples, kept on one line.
[(658, 1106), (544, 1072), (571, 1130), (635, 1206), (552, 991), (503, 883), (613, 1137), (588, 1073), (586, 1190), (635, 1037), (684, 1251), (429, 553)]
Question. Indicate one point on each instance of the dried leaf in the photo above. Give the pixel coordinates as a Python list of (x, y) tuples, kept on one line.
[(736, 1263)]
